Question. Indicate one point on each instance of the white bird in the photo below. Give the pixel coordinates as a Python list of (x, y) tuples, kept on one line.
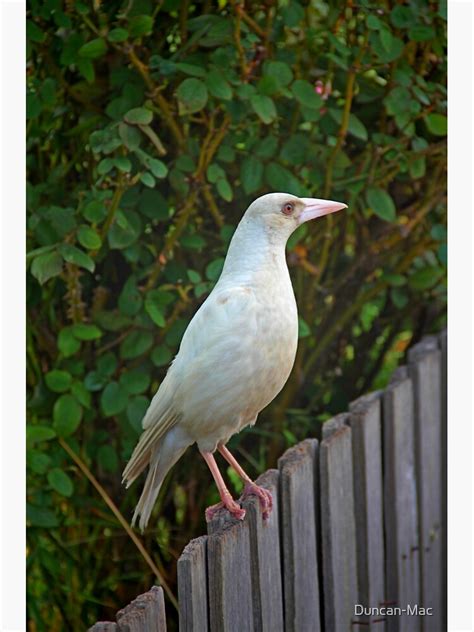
[(234, 358)]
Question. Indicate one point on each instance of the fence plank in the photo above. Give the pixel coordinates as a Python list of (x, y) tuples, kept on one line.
[(230, 582), (334, 424), (425, 369), (265, 559), (400, 501), (338, 530), (192, 587), (299, 537), (103, 626), (366, 425), (146, 613)]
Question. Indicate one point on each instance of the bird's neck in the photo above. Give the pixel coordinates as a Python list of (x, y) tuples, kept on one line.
[(255, 254)]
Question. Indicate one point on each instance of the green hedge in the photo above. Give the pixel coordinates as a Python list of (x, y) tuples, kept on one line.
[(151, 127)]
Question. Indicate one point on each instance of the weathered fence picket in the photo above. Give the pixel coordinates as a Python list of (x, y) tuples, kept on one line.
[(366, 424), (229, 575), (298, 524), (192, 587), (265, 565), (358, 518), (425, 371), (400, 506), (338, 530)]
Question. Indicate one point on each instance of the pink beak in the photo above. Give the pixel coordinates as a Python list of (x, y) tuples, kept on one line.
[(317, 208)]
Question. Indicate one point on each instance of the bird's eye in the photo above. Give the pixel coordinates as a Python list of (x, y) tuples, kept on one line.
[(288, 208)]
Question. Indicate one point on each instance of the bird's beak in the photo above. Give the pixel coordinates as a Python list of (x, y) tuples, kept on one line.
[(317, 208)]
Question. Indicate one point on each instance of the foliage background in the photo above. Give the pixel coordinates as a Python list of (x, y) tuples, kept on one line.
[(151, 127)]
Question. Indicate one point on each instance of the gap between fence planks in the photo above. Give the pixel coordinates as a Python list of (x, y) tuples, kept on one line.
[(358, 518)]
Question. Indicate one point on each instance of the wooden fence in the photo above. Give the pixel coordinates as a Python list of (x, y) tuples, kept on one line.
[(359, 518)]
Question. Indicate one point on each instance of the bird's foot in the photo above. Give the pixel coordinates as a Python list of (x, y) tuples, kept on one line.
[(263, 495), (232, 507)]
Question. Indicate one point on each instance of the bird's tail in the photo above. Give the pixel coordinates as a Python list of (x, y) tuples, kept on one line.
[(161, 462), (160, 458)]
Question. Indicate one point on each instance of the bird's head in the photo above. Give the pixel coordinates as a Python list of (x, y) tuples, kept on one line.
[(284, 212)]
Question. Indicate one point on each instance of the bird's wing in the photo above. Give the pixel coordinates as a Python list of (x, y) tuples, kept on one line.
[(222, 317), (213, 335)]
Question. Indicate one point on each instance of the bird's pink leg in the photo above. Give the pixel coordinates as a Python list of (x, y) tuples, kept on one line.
[(251, 488), (227, 501)]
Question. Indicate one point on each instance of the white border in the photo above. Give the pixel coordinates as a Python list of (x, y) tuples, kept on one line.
[(460, 314), (12, 317)]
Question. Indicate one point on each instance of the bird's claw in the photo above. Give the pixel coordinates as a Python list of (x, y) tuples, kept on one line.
[(232, 507), (263, 495)]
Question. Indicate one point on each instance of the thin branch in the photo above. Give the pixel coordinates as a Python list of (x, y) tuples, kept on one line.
[(115, 510)]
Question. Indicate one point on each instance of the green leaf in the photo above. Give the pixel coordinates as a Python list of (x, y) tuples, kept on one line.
[(281, 179), (425, 278), (60, 482), (399, 297), (95, 211), (36, 434), (214, 269), (46, 266), (421, 33), (82, 395), (395, 280), (117, 35), (401, 17), (381, 203), (264, 107), (280, 71), (123, 164), (114, 399), (67, 415), (153, 307), (192, 96), (93, 49), (88, 238), (303, 328), (251, 174), (34, 33), (86, 68), (37, 461), (125, 230), (218, 86), (224, 189), (58, 381), (71, 254), (305, 94), (136, 410), (355, 125), (135, 344), (68, 344), (158, 168), (139, 116), (84, 331), (140, 25), (130, 136), (130, 299), (41, 517), (107, 364), (148, 180), (104, 166), (161, 356), (135, 381), (214, 173), (437, 124)]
